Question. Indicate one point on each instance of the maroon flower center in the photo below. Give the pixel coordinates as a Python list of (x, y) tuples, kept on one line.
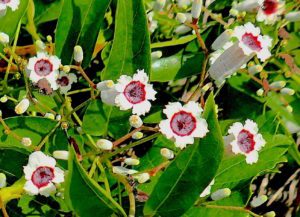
[(270, 7), (63, 81), (245, 141), (183, 123), (42, 176), (5, 1), (43, 67), (251, 41), (135, 92)]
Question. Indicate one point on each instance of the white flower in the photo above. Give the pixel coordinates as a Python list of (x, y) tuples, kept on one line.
[(22, 106), (26, 141), (135, 92), (4, 38), (44, 66), (135, 121), (41, 174), (13, 4), (207, 189), (61, 155), (247, 140), (269, 11), (65, 81), (104, 144), (252, 42), (183, 123)]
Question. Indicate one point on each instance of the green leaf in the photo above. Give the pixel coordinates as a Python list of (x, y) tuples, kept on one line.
[(100, 119), (46, 11), (219, 5), (36, 128), (79, 24), (176, 67), (187, 176), (85, 195), (9, 22), (131, 44)]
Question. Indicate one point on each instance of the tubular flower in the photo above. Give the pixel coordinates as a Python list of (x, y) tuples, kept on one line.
[(269, 11), (41, 174), (135, 92), (184, 123), (247, 140), (46, 67)]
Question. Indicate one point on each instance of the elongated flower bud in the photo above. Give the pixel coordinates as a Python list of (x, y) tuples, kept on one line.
[(49, 116), (260, 92), (3, 99), (287, 91), (156, 55), (61, 155), (259, 200), (123, 171), (2, 180), (22, 106), (293, 16), (132, 161), (4, 38), (78, 54), (167, 153), (105, 85), (248, 5), (142, 178), (220, 194), (104, 144), (182, 29), (222, 39), (181, 17), (255, 69), (270, 214), (40, 46), (137, 135), (196, 10), (278, 84)]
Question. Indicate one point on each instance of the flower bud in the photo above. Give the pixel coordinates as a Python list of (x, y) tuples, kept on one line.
[(137, 135), (58, 117), (248, 5), (293, 16), (26, 141), (105, 85), (4, 38), (104, 144), (61, 155), (156, 55), (2, 180), (78, 54), (49, 38), (289, 109), (3, 99), (183, 3), (270, 214), (221, 194), (234, 12), (79, 130), (142, 177), (135, 121), (287, 91), (49, 116), (167, 153), (255, 69), (64, 125), (182, 29), (66, 69), (40, 46), (260, 92), (278, 84), (22, 106), (196, 9), (132, 161), (259, 200), (123, 171), (181, 17), (222, 39)]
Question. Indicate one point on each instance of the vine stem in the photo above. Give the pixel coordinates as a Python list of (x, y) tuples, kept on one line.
[(233, 208)]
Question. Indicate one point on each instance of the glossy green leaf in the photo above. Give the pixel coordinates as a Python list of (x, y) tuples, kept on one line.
[(100, 119), (188, 175), (131, 44), (47, 11), (36, 128), (85, 196), (9, 22), (79, 24), (176, 67)]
